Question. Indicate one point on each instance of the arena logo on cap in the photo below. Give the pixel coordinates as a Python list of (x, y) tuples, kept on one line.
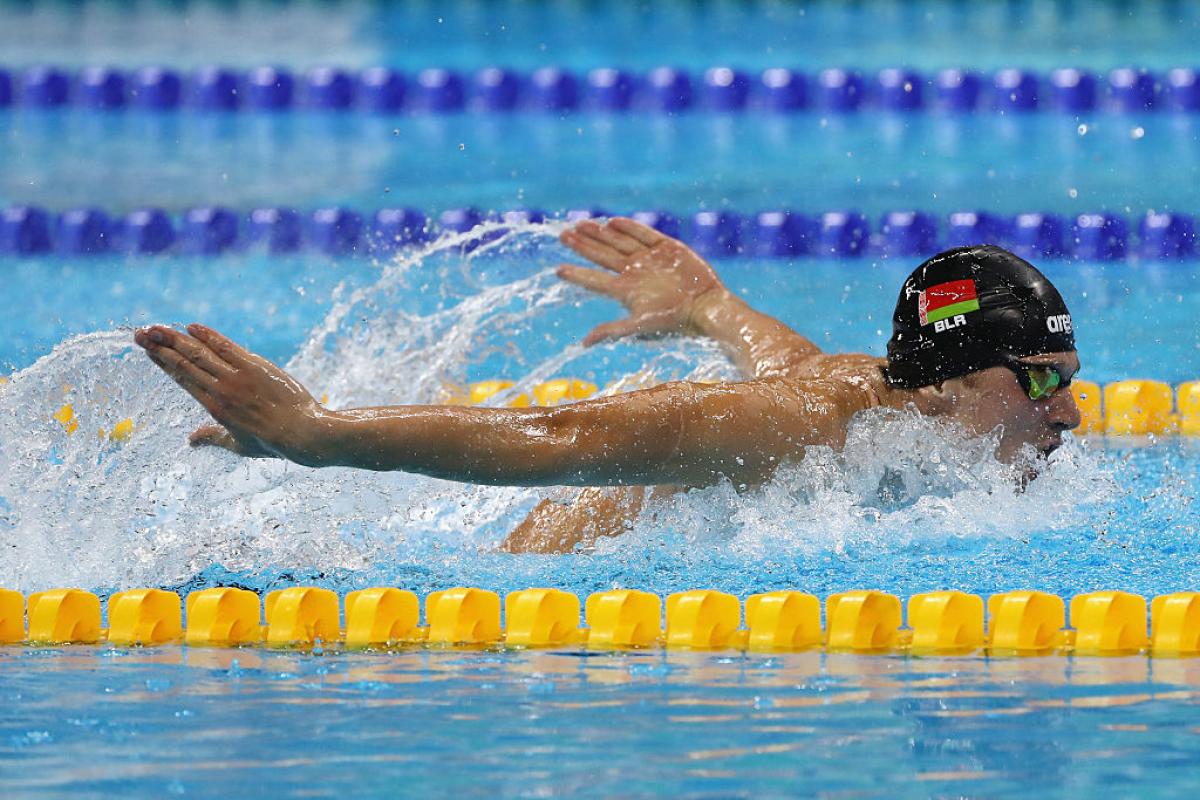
[(946, 304), (1059, 323)]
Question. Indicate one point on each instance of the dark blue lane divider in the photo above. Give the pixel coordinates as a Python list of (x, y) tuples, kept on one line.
[(663, 90), (31, 231)]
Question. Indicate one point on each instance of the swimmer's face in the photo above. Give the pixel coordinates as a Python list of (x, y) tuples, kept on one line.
[(991, 398)]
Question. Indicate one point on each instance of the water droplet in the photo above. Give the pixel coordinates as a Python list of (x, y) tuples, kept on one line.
[(1137, 133), (1083, 129), (1072, 193), (462, 145)]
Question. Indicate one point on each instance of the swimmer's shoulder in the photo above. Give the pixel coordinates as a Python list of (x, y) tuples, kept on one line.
[(841, 392), (857, 373), (848, 382)]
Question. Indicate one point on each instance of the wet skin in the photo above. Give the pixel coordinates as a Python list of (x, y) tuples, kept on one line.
[(683, 433), (677, 434), (667, 288)]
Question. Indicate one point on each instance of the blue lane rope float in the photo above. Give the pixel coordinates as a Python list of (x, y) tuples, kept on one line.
[(661, 90), (783, 233), (1017, 623)]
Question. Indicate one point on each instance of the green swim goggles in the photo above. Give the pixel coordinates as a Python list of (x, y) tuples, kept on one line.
[(1039, 381)]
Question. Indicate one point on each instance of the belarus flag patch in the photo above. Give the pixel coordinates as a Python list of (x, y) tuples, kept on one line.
[(947, 299)]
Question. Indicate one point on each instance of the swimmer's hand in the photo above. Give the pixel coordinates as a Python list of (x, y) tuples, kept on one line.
[(659, 280), (216, 436), (261, 410), (668, 288)]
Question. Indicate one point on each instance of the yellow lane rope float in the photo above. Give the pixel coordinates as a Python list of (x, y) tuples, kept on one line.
[(547, 393), (1018, 623), (1138, 408), (65, 416), (1122, 408)]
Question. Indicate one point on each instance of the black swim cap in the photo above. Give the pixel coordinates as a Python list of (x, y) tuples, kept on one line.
[(972, 308)]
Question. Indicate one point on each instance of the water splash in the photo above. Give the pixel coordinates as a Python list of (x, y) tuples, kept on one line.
[(81, 509), (901, 479)]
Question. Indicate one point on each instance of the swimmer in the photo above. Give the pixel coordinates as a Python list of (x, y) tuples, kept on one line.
[(980, 337)]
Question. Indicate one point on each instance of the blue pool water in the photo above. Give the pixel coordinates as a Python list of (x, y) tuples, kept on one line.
[(467, 34), (272, 303), (1115, 515), (78, 510), (93, 723), (810, 161)]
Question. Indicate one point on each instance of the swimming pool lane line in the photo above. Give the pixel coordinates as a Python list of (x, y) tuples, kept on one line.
[(1121, 408), (664, 90), (1019, 623), (31, 231), (1128, 408)]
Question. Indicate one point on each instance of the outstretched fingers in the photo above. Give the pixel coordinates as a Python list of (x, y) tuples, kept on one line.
[(612, 330), (611, 236), (161, 336), (229, 351), (593, 249), (649, 324), (202, 356), (593, 280), (195, 381), (644, 234)]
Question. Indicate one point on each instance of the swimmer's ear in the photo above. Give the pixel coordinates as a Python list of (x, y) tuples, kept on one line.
[(941, 397)]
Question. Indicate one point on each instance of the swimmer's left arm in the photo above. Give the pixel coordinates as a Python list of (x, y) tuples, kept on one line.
[(668, 288), (682, 433)]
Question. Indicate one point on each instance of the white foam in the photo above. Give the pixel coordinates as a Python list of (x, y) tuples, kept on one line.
[(901, 479), (80, 510)]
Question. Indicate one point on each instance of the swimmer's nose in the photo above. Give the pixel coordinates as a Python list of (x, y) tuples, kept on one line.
[(1063, 411)]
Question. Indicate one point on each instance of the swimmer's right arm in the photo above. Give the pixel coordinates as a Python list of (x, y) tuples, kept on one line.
[(680, 433), (668, 288)]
